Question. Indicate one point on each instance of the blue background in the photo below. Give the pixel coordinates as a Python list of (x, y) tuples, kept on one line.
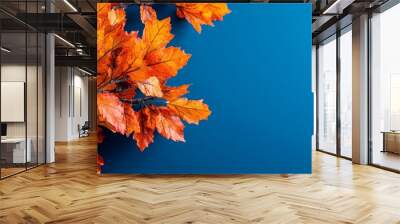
[(254, 71)]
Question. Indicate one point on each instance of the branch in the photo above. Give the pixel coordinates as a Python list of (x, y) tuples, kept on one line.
[(138, 100), (111, 81)]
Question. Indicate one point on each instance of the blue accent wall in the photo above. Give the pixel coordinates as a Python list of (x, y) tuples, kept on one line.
[(254, 71)]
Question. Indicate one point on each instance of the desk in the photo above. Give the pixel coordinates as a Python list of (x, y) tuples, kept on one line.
[(391, 141), (13, 150)]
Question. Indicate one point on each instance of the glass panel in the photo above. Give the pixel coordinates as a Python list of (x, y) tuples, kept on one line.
[(386, 89), (32, 86), (22, 87), (13, 86), (327, 96), (346, 93)]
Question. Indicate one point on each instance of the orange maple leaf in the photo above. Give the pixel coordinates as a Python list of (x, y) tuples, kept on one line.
[(110, 112), (157, 33), (199, 14), (172, 92), (161, 61), (118, 52), (192, 111), (150, 87), (110, 23), (147, 13), (100, 163), (131, 119), (166, 62), (127, 93), (100, 135), (150, 55), (147, 126), (169, 125), (129, 58)]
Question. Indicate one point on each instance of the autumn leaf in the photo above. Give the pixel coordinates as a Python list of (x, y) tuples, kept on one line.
[(150, 87), (172, 92), (100, 160), (129, 58), (169, 125), (118, 52), (103, 24), (147, 13), (157, 34), (126, 91), (157, 59), (103, 10), (131, 119), (116, 17), (127, 64), (165, 63), (192, 111), (100, 163), (110, 25), (100, 135), (147, 126), (218, 10), (199, 14), (110, 112)]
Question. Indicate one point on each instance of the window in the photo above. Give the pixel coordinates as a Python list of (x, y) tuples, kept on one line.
[(346, 92), (327, 95), (385, 89)]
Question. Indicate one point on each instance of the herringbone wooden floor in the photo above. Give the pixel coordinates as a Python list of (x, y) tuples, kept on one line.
[(69, 191)]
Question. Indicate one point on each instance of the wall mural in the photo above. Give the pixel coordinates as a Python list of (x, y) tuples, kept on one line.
[(134, 98), (250, 105)]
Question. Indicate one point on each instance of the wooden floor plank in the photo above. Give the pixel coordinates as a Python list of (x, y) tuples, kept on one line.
[(70, 191)]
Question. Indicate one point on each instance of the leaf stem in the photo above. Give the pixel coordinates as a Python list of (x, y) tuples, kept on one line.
[(138, 100)]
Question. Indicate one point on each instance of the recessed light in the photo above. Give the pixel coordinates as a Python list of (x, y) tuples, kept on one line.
[(70, 5), (64, 40), (5, 50), (84, 71)]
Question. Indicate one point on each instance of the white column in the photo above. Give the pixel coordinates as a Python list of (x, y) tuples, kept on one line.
[(50, 98), (360, 90)]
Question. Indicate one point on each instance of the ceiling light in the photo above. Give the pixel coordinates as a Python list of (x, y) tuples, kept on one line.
[(65, 41), (5, 50), (329, 9), (84, 71), (70, 5), (337, 7)]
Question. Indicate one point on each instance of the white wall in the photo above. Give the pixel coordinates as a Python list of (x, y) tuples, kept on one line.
[(61, 103), (80, 111), (71, 102)]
